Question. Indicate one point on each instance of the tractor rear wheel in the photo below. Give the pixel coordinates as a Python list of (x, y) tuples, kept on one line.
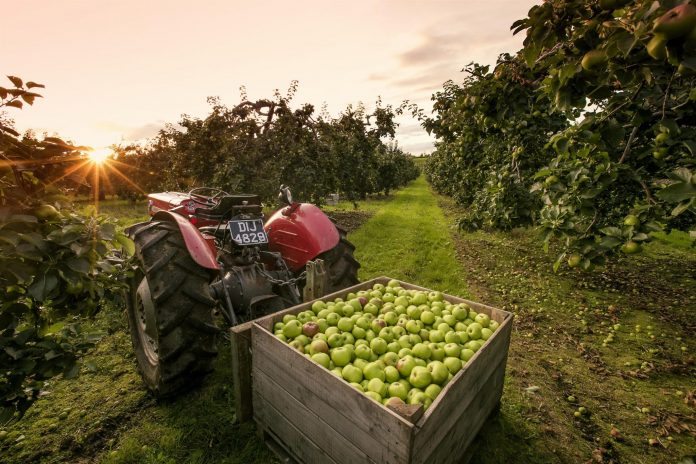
[(170, 311), (341, 265)]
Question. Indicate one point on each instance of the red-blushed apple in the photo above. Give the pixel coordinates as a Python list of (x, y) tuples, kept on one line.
[(318, 346), (377, 325), (310, 329), (405, 365)]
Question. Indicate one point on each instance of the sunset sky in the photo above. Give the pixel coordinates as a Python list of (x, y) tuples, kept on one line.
[(119, 70)]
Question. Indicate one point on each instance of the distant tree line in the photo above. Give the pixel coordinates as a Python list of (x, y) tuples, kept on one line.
[(255, 146)]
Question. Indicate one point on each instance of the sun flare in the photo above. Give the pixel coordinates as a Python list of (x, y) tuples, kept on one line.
[(99, 155)]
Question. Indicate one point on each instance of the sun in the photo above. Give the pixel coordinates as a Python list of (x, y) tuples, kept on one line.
[(99, 155)]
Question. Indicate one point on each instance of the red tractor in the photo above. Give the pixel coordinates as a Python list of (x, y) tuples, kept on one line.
[(208, 255)]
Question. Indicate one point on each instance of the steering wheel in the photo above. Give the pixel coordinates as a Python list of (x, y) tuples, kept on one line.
[(206, 200)]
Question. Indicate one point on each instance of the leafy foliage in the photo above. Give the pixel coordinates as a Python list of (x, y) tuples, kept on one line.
[(492, 130), (53, 266), (614, 83), (257, 145)]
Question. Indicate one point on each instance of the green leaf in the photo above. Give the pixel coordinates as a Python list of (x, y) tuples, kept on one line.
[(127, 244), (107, 231), (612, 231), (80, 265), (610, 242), (72, 371), (678, 191), (43, 286)]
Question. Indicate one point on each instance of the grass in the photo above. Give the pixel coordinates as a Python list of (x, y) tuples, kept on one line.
[(561, 322)]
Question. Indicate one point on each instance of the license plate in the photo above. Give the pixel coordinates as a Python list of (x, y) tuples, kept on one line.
[(248, 232)]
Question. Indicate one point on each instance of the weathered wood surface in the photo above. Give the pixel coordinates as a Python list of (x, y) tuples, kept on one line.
[(240, 342), (380, 433)]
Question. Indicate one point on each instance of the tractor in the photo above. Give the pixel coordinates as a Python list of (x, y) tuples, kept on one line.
[(207, 259)]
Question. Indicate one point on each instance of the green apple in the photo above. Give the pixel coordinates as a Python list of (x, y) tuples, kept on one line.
[(390, 358), (363, 323), (281, 337), (483, 319), (374, 370), (420, 361), (420, 377), (340, 356), (363, 352), (303, 339), (474, 331), (435, 296), (393, 283), (377, 325), (322, 359), (391, 374), (305, 316), (413, 327), (419, 298), (453, 364), (359, 333), (403, 352), (298, 345), (292, 328), (378, 386), (415, 338), (405, 341), (421, 350), (402, 301), (405, 365), (358, 387), (493, 325), (333, 318), (428, 317), (437, 352), (371, 308), (463, 337), (450, 320), (335, 340), (397, 390), (466, 354), (391, 318), (432, 390), (360, 363), (387, 334), (452, 337), (378, 345), (413, 391), (460, 313), (369, 335), (438, 371), (393, 347), (318, 306), (436, 336), (289, 317), (398, 331), (486, 333), (352, 374), (473, 345), (278, 326), (453, 350), (373, 396)]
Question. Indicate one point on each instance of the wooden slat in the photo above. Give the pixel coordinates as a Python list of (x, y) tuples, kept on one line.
[(461, 394), (307, 421), (379, 432), (301, 446), (240, 341), (454, 444)]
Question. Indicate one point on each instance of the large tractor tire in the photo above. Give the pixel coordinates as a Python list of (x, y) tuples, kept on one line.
[(170, 311), (341, 265)]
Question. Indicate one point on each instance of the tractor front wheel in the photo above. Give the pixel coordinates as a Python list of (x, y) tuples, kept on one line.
[(169, 311)]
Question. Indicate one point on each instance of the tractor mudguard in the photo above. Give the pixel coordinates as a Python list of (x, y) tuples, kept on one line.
[(200, 249), (300, 233)]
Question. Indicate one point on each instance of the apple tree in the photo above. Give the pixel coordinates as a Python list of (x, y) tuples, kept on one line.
[(491, 133), (625, 167), (53, 266)]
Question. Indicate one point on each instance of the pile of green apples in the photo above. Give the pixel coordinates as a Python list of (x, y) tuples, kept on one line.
[(396, 346)]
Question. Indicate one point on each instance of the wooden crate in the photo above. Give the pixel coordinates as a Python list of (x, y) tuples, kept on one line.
[(315, 417)]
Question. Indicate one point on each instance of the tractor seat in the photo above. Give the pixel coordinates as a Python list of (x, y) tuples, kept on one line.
[(241, 203)]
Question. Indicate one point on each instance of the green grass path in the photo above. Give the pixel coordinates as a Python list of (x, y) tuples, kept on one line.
[(409, 239)]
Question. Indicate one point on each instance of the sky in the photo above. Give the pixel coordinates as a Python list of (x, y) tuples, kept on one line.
[(118, 71)]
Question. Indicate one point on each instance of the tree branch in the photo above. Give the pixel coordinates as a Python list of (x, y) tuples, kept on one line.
[(628, 144)]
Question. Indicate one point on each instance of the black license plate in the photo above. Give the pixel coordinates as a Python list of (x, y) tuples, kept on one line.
[(248, 232)]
